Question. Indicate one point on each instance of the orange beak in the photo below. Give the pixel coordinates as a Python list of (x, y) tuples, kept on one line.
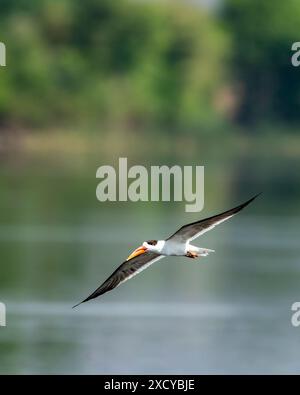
[(140, 250)]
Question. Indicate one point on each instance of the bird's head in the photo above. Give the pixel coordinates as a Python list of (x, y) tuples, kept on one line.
[(150, 245)]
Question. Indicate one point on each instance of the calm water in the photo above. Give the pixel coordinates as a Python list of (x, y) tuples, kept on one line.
[(227, 313)]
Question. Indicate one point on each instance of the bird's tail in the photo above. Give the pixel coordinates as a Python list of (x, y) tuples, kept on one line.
[(204, 251)]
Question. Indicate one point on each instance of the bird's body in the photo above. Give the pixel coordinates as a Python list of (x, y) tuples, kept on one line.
[(170, 248), (178, 244)]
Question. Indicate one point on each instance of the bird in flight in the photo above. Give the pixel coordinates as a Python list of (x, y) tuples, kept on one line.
[(178, 244)]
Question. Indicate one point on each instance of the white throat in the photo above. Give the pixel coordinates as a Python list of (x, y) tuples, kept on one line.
[(158, 247)]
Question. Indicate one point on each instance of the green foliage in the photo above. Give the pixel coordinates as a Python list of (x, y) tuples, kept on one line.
[(165, 64), (113, 62)]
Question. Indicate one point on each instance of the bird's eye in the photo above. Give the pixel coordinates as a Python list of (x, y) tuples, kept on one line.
[(152, 242)]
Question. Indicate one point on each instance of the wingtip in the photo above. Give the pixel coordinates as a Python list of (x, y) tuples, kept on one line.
[(258, 194), (83, 301), (73, 307), (243, 205), (254, 197)]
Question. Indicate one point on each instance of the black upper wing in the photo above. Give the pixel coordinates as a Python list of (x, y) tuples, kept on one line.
[(124, 272), (195, 229)]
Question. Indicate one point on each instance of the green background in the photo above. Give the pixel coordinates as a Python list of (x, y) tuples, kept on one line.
[(161, 83)]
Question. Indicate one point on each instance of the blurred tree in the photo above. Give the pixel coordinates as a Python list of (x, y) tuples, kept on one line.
[(262, 34), (114, 62)]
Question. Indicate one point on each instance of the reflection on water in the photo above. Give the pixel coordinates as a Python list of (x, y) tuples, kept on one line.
[(227, 313), (150, 338)]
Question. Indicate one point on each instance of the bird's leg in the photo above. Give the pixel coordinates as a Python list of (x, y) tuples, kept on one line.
[(190, 254)]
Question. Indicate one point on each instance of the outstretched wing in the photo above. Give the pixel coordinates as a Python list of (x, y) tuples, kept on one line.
[(124, 272), (192, 231)]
